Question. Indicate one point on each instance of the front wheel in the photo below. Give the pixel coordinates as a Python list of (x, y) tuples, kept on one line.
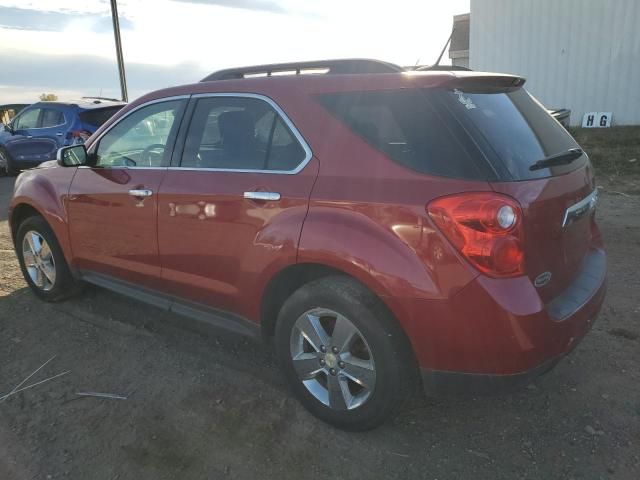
[(42, 261), (6, 168), (345, 357)]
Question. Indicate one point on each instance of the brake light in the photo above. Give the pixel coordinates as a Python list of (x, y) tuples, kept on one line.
[(79, 136), (485, 227)]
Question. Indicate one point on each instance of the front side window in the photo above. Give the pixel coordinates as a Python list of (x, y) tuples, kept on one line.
[(238, 133), (28, 119), (141, 138), (51, 118)]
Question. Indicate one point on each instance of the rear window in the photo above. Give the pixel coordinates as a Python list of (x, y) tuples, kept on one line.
[(409, 129), (98, 116), (513, 130), (479, 135)]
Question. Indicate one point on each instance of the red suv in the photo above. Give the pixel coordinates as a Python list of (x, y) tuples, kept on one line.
[(380, 226)]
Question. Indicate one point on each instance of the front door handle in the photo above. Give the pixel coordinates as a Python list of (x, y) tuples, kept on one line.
[(262, 196), (140, 193), (59, 134)]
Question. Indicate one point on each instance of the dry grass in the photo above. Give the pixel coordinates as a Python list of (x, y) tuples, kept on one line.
[(613, 151)]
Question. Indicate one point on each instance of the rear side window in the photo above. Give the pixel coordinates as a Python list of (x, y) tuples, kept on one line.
[(238, 133), (96, 117), (514, 131), (410, 129), (51, 118)]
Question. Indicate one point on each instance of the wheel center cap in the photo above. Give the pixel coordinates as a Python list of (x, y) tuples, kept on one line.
[(331, 360)]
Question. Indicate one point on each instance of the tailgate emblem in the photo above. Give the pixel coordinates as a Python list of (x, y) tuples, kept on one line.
[(542, 279), (580, 209)]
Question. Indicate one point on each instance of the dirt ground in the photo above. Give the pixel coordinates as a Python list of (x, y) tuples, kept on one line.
[(202, 404)]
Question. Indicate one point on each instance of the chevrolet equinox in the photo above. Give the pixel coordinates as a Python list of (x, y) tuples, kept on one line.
[(382, 228)]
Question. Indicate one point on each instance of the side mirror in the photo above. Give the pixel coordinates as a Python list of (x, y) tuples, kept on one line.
[(72, 156), (8, 128)]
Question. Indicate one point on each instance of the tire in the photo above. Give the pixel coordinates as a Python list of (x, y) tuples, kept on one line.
[(47, 272), (6, 168), (377, 344)]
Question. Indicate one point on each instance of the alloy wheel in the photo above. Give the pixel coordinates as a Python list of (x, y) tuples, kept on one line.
[(332, 359), (4, 163), (38, 260)]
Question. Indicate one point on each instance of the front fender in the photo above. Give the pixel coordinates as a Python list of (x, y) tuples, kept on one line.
[(45, 191)]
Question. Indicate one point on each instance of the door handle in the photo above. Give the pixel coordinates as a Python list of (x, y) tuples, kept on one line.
[(59, 134), (140, 193), (263, 196), (29, 136)]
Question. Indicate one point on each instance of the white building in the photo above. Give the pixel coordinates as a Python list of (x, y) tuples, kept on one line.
[(583, 55)]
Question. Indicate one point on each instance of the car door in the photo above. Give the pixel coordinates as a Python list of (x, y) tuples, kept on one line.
[(113, 203), (26, 145), (231, 209), (53, 126)]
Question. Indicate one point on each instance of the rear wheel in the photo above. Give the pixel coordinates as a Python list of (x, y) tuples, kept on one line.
[(344, 356), (6, 167), (42, 261)]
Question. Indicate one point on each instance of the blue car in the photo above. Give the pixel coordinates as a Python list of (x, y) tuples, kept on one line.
[(36, 133)]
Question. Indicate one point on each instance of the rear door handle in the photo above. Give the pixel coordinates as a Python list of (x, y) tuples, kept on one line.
[(59, 134), (140, 193), (263, 196)]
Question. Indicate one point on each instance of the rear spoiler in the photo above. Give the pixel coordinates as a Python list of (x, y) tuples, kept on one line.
[(485, 82)]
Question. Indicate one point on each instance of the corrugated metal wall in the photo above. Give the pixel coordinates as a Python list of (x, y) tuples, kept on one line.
[(577, 54)]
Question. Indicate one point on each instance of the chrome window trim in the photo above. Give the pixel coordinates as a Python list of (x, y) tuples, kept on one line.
[(123, 167), (96, 142), (283, 116)]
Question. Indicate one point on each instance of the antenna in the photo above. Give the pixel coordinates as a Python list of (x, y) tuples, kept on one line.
[(116, 34), (445, 47)]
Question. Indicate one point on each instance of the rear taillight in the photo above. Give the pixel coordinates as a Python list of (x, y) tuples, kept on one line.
[(78, 136), (485, 227)]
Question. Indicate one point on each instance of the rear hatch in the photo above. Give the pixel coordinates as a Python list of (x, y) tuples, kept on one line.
[(513, 132), (93, 118)]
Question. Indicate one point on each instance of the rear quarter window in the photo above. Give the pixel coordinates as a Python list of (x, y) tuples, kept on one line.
[(410, 130)]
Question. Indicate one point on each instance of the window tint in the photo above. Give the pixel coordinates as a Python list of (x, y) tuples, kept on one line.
[(140, 138), (241, 134), (409, 129), (51, 118), (28, 119), (97, 116), (516, 130)]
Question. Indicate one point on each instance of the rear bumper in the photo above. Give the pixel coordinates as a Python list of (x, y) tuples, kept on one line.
[(444, 384), (497, 335)]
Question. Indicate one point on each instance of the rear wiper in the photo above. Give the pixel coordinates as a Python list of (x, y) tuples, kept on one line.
[(563, 158)]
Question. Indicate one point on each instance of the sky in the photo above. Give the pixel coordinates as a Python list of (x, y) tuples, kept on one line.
[(66, 47)]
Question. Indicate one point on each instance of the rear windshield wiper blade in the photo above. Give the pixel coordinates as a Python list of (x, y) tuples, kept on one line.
[(563, 158)]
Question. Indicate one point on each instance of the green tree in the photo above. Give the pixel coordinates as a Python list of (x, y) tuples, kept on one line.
[(48, 97)]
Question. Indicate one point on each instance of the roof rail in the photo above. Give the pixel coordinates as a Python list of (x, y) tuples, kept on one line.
[(101, 98), (341, 66)]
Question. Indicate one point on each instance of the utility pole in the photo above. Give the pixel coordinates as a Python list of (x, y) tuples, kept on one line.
[(116, 33)]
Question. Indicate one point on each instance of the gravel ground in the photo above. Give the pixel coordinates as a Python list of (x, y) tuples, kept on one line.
[(202, 404)]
